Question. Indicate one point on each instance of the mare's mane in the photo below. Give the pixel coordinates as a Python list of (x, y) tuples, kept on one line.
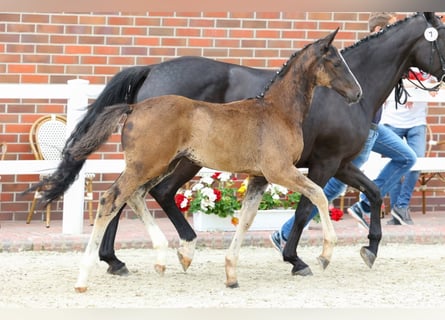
[(280, 73), (379, 34)]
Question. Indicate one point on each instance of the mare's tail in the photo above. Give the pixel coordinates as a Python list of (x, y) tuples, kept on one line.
[(122, 88), (92, 131)]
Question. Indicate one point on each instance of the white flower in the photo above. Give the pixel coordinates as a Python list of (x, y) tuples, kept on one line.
[(269, 188), (206, 204), (224, 176), (184, 203), (188, 193), (280, 189), (207, 180), (208, 193), (198, 186)]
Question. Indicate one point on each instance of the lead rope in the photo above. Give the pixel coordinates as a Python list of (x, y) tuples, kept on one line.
[(400, 93)]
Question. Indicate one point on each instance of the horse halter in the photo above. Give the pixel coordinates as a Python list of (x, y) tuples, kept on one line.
[(400, 91), (434, 47)]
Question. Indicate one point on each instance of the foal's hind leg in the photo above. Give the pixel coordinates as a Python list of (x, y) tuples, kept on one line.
[(252, 199), (164, 194), (109, 205), (160, 243), (294, 180)]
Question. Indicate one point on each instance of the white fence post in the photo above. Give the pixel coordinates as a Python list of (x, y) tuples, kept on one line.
[(73, 199)]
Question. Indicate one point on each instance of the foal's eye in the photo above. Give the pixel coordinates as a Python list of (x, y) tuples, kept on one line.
[(336, 63)]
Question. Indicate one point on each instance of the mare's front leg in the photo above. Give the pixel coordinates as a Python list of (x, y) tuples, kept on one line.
[(159, 241), (252, 199), (164, 194), (290, 252), (358, 180)]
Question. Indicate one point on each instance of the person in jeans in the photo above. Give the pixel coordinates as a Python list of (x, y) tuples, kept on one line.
[(408, 121), (380, 139)]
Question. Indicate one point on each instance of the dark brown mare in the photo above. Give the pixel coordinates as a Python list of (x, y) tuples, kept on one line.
[(259, 136), (332, 136)]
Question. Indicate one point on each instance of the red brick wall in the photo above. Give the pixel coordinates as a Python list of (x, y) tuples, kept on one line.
[(53, 48)]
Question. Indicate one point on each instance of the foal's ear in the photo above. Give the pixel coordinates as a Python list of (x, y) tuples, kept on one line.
[(327, 41)]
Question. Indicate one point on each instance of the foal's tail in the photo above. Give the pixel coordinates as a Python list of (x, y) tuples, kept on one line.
[(93, 130), (75, 155)]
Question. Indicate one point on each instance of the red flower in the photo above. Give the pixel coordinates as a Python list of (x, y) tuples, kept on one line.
[(217, 193), (336, 214), (216, 175), (179, 199)]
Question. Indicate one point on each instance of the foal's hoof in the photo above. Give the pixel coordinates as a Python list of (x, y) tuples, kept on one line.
[(185, 261), (160, 269), (302, 272), (232, 285), (122, 271), (323, 262), (367, 256), (80, 289)]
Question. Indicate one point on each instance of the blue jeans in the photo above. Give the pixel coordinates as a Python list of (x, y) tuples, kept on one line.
[(334, 188), (402, 191), (389, 145)]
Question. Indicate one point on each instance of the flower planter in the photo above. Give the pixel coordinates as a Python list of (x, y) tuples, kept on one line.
[(264, 220)]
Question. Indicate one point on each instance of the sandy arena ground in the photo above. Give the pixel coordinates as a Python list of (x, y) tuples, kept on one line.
[(404, 276)]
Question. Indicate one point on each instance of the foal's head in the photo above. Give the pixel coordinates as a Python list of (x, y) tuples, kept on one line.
[(332, 71)]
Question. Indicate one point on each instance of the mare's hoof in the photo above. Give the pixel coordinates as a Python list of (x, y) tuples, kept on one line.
[(160, 269), (367, 256), (233, 285), (80, 289), (323, 262), (122, 271), (185, 261), (302, 272)]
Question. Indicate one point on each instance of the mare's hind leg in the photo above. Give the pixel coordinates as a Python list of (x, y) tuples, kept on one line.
[(252, 199), (109, 205), (106, 250), (160, 243), (294, 180)]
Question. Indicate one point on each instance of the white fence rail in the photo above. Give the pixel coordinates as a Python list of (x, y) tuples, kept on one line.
[(77, 92)]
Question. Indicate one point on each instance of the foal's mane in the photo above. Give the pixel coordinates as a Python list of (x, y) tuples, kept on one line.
[(380, 33), (284, 69)]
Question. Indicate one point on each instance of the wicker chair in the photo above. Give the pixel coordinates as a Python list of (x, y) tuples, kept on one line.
[(47, 139)]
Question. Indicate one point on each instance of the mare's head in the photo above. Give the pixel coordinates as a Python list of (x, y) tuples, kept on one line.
[(332, 70), (429, 49)]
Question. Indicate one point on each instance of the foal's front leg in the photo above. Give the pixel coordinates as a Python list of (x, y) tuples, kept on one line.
[(252, 199)]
